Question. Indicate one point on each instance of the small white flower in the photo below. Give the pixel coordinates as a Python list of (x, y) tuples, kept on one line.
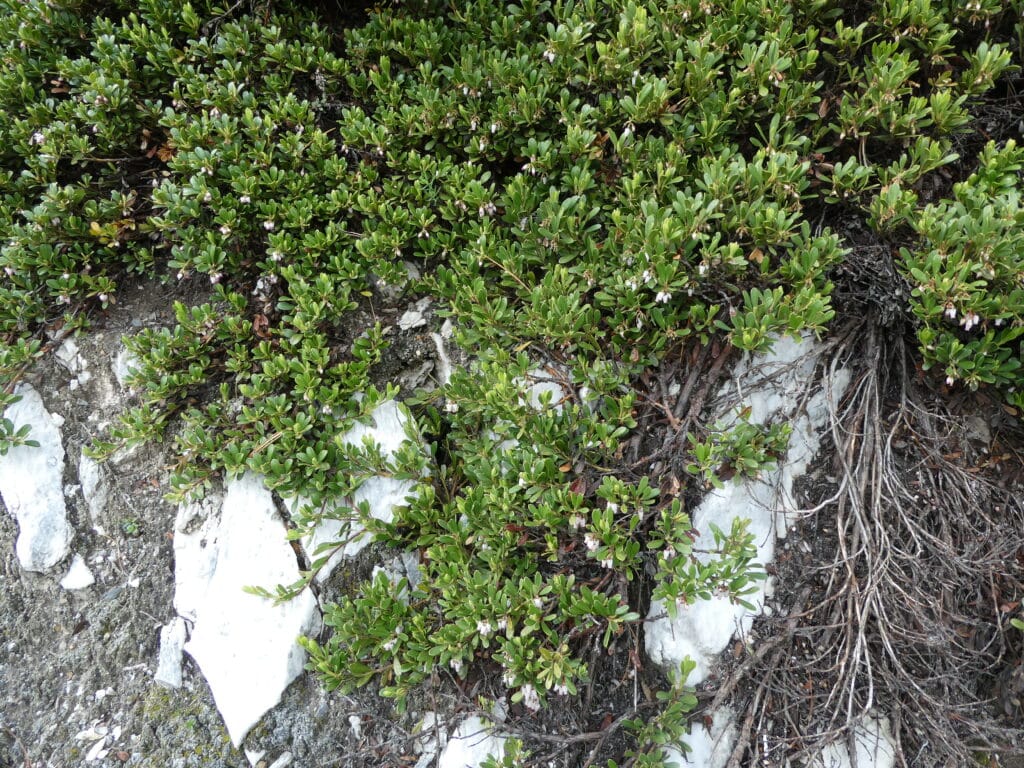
[(950, 312), (456, 665), (562, 689), (484, 627), (245, 199), (37, 138), (207, 197), (276, 255), (591, 541), (663, 297), (530, 698), (269, 225), (225, 230), (215, 277), (389, 645), (608, 563), (631, 284), (103, 297), (549, 55), (576, 521), (502, 625), (538, 602), (508, 677), (451, 406), (950, 381), (494, 127)]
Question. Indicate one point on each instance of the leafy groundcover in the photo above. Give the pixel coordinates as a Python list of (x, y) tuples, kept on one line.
[(605, 195)]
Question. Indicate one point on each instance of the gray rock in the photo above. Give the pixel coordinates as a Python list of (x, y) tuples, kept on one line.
[(32, 486)]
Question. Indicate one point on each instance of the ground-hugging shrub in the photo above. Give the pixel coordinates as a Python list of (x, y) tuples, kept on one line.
[(595, 183), (967, 276)]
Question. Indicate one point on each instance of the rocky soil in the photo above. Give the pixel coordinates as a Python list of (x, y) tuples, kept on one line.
[(80, 642)]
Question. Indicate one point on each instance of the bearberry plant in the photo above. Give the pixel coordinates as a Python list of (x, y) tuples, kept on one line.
[(587, 189)]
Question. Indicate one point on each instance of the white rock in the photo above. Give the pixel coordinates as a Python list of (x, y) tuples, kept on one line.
[(245, 645), (172, 642), (540, 387), (32, 486), (254, 756), (68, 356), (471, 744), (771, 385), (430, 735), (708, 748), (284, 760), (95, 488), (873, 743), (124, 365), (444, 363), (79, 576), (96, 752), (414, 318), (382, 494)]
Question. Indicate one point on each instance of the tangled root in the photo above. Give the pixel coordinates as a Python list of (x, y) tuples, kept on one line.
[(902, 606)]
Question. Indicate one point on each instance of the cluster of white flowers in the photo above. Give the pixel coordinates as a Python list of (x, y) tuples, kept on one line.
[(484, 628), (562, 689), (576, 521), (663, 297), (591, 541), (37, 138), (970, 320), (530, 698)]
